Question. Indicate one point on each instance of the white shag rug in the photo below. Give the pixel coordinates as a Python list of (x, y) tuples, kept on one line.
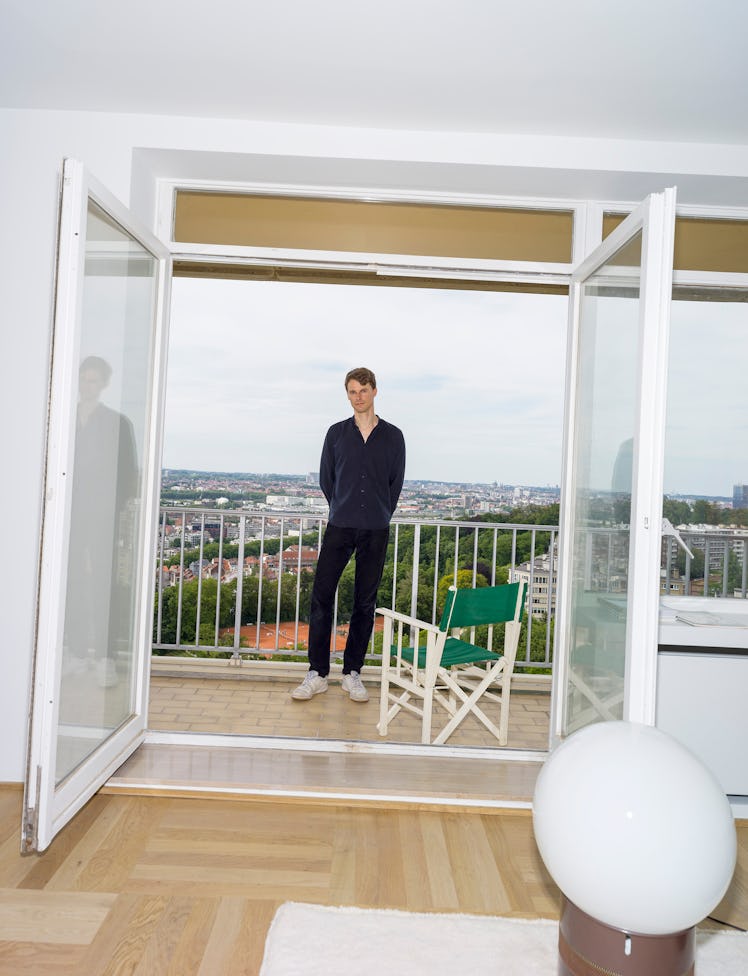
[(306, 940)]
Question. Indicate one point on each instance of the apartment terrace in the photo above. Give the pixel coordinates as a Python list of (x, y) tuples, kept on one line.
[(229, 646)]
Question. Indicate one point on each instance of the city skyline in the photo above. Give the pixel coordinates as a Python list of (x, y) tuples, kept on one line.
[(303, 479)]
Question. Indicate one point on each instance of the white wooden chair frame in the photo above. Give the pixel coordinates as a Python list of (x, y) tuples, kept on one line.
[(458, 689)]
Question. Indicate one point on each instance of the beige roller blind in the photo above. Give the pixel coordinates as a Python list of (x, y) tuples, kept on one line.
[(371, 227), (703, 244)]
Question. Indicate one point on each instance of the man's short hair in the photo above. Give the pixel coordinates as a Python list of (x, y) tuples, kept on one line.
[(361, 375), (98, 365)]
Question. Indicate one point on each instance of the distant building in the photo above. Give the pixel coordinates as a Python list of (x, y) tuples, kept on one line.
[(740, 496), (541, 581)]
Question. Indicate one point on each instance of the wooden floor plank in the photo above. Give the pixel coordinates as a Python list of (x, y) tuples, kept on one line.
[(193, 885), (41, 959), (65, 920), (189, 951)]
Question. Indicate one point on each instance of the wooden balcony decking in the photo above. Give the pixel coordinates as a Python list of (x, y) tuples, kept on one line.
[(232, 706), (223, 698)]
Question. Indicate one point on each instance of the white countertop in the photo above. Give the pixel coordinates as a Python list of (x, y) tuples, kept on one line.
[(714, 622)]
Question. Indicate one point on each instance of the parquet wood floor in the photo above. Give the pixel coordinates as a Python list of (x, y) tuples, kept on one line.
[(149, 886), (175, 887)]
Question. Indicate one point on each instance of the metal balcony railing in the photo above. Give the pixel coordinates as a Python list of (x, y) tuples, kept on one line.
[(719, 566), (237, 583)]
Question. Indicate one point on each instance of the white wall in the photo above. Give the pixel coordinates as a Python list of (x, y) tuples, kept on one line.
[(33, 146)]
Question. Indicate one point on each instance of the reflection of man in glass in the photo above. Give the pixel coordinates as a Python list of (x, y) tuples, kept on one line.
[(105, 480)]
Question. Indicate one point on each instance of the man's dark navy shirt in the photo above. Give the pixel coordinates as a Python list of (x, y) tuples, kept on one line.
[(362, 479)]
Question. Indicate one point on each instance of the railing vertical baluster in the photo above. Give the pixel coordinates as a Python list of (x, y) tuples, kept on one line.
[(218, 581), (298, 587), (394, 564), (725, 569), (550, 602), (160, 579), (437, 554), (528, 639), (259, 583), (178, 633), (414, 576), (280, 584), (201, 551), (236, 655)]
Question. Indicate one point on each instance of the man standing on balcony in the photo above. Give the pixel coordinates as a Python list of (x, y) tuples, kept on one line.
[(361, 474)]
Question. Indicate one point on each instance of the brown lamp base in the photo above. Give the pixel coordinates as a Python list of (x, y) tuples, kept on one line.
[(587, 947)]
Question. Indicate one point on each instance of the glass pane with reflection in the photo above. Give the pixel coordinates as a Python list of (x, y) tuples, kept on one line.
[(106, 521), (607, 403), (706, 445)]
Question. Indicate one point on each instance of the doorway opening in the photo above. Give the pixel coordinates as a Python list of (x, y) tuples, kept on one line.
[(471, 372)]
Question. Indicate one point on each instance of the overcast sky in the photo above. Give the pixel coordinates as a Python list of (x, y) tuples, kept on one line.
[(474, 379)]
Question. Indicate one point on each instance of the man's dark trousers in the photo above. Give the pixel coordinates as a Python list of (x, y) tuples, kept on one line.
[(338, 545)]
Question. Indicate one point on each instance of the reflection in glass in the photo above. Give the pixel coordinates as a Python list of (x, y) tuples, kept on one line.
[(105, 542), (706, 442), (602, 479)]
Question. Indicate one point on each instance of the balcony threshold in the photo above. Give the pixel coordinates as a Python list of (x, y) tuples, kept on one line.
[(369, 774)]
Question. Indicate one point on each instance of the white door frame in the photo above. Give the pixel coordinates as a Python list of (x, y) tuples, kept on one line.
[(655, 218), (47, 806)]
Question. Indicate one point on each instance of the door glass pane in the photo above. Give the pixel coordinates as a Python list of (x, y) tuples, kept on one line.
[(106, 519), (706, 445), (606, 409)]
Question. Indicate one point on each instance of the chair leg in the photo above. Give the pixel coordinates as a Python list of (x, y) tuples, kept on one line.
[(397, 705), (469, 707), (504, 719), (428, 707), (384, 693)]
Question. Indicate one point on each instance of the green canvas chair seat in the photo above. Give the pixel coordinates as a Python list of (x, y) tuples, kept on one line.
[(455, 652), (452, 676)]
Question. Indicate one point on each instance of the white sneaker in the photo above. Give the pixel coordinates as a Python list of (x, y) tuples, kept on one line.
[(313, 684), (353, 685)]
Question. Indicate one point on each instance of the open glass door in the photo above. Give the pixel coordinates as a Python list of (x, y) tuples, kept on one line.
[(606, 632), (90, 688)]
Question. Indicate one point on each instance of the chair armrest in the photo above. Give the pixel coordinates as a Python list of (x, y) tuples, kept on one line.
[(405, 619)]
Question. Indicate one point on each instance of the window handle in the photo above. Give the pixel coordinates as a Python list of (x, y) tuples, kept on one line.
[(669, 529)]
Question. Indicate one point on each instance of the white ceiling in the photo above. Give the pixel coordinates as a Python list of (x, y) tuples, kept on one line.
[(671, 70)]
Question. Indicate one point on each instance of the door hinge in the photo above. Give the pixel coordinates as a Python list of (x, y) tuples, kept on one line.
[(30, 824)]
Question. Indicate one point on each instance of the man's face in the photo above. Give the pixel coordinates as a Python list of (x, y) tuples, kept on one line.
[(90, 384), (361, 396)]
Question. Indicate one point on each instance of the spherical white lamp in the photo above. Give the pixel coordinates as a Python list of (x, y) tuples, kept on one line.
[(637, 834)]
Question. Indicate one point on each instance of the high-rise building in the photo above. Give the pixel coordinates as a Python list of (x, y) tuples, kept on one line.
[(740, 496)]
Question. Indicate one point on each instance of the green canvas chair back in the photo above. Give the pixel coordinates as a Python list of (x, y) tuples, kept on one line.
[(487, 605)]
